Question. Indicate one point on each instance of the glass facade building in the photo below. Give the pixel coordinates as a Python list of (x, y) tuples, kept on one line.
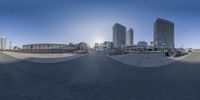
[(119, 35), (163, 34)]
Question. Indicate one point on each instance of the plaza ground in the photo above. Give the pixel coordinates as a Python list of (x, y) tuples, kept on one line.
[(98, 77), (147, 59), (44, 58)]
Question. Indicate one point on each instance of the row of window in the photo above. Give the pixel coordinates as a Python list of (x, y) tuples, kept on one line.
[(32, 46), (47, 50)]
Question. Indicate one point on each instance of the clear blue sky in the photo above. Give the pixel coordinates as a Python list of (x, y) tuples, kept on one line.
[(64, 21)]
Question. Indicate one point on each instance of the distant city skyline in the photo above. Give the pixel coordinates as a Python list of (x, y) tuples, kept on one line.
[(66, 21)]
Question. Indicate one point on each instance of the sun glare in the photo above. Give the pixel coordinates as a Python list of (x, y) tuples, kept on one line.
[(98, 40)]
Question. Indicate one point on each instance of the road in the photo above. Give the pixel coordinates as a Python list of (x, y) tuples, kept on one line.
[(98, 77)]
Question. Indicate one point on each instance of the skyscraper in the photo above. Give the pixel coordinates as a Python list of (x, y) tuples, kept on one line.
[(129, 37), (163, 34), (119, 35), (3, 42)]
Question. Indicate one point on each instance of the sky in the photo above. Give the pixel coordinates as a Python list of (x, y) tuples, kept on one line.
[(74, 21)]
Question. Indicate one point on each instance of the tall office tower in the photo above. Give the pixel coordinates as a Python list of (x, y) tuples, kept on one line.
[(10, 45), (163, 34), (119, 35), (3, 42), (129, 37)]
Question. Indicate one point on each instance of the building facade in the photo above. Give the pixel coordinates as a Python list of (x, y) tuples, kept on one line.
[(83, 46), (129, 37), (142, 44), (3, 43), (16, 48), (107, 45), (163, 34), (119, 35), (48, 48)]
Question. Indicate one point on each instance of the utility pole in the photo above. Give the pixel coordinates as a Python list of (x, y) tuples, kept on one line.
[(10, 45)]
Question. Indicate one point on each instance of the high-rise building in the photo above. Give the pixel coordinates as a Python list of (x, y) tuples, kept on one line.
[(119, 35), (3, 43), (129, 37), (163, 34)]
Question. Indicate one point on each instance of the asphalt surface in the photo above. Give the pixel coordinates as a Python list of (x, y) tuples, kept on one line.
[(97, 77)]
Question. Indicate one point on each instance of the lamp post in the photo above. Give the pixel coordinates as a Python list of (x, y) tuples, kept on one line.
[(156, 45), (163, 44), (182, 46), (122, 46)]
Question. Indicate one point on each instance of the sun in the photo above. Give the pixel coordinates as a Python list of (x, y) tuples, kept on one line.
[(98, 40)]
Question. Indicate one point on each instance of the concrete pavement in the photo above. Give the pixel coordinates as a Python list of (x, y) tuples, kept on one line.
[(43, 58), (146, 59), (98, 77)]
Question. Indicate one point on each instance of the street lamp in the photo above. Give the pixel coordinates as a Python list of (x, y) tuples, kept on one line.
[(155, 45), (182, 46), (163, 44)]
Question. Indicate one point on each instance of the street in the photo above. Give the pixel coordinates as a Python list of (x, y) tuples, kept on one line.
[(98, 77)]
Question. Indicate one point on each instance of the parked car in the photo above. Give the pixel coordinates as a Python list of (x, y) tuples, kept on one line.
[(170, 52), (175, 53), (180, 53)]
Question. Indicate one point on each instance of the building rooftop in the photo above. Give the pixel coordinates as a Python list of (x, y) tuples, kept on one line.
[(117, 24), (163, 20)]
